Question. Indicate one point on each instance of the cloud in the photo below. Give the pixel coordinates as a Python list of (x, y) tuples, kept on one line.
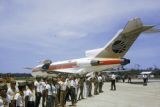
[(36, 17), (69, 34)]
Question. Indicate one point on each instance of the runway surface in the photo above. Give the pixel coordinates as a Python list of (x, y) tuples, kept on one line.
[(126, 95)]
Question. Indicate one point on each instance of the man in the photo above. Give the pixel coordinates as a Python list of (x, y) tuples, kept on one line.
[(113, 81), (51, 93), (38, 91), (100, 83), (96, 84), (56, 95), (12, 90), (123, 78), (29, 97), (145, 79), (73, 90), (89, 79), (58, 90), (63, 86), (129, 79), (43, 88), (76, 88), (19, 97), (68, 90), (4, 98), (81, 86)]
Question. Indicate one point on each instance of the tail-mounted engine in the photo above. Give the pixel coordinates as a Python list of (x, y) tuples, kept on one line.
[(125, 61)]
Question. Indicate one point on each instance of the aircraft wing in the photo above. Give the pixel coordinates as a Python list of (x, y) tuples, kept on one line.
[(65, 71)]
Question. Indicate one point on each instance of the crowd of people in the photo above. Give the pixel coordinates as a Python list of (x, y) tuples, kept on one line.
[(49, 91)]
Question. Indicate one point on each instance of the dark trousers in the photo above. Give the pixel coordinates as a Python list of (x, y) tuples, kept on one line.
[(96, 86), (30, 104), (62, 98), (68, 93), (90, 90), (113, 85), (123, 79), (100, 86), (81, 93), (129, 80), (43, 98), (145, 81), (50, 101), (58, 96), (73, 95), (38, 98), (12, 104)]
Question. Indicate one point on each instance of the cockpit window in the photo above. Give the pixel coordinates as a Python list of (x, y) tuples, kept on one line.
[(46, 64)]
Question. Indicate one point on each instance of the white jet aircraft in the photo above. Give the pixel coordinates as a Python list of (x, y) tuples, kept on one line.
[(111, 55)]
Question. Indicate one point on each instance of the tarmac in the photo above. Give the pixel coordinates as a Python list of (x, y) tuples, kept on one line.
[(126, 95)]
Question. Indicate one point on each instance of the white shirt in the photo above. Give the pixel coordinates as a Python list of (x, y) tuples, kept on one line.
[(99, 78), (7, 100), (73, 83), (19, 100), (57, 86), (63, 85), (145, 76), (51, 89), (38, 86), (12, 92), (43, 85), (1, 102), (30, 94), (113, 77)]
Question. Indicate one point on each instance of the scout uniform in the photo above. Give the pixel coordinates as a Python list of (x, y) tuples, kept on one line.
[(113, 82), (89, 86), (4, 98), (58, 93), (73, 91), (29, 95), (12, 90), (19, 97), (43, 88), (63, 86), (96, 84), (81, 85), (38, 91), (100, 80), (51, 93)]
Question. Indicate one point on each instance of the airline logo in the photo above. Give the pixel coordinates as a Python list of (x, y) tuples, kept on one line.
[(119, 46)]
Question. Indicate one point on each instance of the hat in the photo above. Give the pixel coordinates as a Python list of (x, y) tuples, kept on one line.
[(3, 86), (49, 78), (38, 77), (13, 82), (22, 84), (29, 82), (44, 78)]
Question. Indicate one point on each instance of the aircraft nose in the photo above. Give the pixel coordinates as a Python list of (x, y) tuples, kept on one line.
[(35, 69)]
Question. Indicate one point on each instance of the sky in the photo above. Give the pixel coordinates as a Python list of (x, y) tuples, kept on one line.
[(34, 30)]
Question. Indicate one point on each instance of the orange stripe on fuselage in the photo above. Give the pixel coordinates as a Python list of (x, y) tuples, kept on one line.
[(63, 66), (108, 62)]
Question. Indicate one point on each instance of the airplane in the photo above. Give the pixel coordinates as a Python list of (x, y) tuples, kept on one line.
[(96, 60)]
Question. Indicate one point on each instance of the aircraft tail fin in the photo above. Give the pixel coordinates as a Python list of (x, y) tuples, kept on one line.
[(123, 40)]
